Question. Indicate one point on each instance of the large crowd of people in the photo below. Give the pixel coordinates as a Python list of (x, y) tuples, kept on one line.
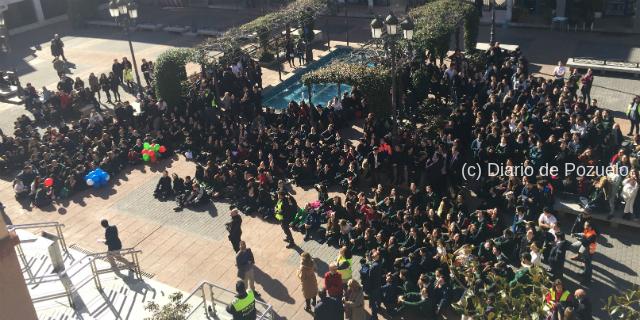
[(404, 203)]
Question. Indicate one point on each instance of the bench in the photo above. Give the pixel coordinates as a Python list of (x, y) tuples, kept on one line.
[(208, 32), (564, 205), (150, 26), (176, 29), (604, 65), (102, 23), (484, 46)]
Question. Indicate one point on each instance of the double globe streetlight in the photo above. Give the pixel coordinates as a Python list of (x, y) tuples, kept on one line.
[(125, 12), (387, 31)]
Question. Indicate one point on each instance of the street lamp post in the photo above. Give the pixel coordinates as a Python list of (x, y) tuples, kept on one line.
[(387, 30), (4, 33), (125, 12), (492, 35)]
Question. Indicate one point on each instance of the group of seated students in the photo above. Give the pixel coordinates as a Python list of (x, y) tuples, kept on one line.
[(419, 212), (187, 192), (406, 199)]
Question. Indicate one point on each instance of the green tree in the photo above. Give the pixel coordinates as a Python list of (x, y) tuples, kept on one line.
[(170, 74), (625, 306), (176, 309)]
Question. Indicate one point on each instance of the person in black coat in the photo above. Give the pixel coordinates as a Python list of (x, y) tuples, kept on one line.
[(114, 245), (557, 256), (163, 188), (582, 306), (235, 229), (375, 284), (328, 308)]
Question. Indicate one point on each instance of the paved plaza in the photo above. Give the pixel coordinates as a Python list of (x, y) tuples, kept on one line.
[(181, 249)]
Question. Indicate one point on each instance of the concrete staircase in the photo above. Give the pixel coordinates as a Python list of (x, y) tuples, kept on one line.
[(124, 296)]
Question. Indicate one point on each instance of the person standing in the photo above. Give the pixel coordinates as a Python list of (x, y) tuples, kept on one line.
[(328, 308), (245, 263), (105, 85), (354, 301), (582, 305), (94, 85), (146, 71), (586, 246), (343, 263), (557, 256), (284, 213), (333, 281), (558, 74), (114, 86), (117, 68), (587, 83), (114, 245), (57, 48), (307, 276), (235, 229), (243, 306), (629, 194), (375, 284), (633, 113), (557, 300)]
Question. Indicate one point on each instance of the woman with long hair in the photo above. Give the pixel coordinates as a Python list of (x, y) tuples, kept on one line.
[(307, 276)]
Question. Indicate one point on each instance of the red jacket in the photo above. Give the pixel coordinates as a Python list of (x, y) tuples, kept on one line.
[(333, 284)]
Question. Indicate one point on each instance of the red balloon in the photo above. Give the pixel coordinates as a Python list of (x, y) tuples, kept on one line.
[(162, 149), (48, 182)]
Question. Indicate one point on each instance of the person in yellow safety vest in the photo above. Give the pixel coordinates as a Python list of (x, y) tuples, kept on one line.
[(556, 300), (344, 264), (283, 213), (243, 306)]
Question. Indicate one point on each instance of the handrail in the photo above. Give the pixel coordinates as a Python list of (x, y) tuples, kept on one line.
[(104, 254), (55, 224), (200, 288), (34, 225)]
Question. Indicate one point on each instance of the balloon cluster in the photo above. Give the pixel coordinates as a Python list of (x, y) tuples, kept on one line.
[(151, 152), (97, 178)]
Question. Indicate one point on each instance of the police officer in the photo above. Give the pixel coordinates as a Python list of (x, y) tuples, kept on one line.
[(234, 229), (284, 215), (243, 306)]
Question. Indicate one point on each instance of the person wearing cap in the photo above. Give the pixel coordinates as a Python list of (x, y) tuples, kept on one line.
[(243, 307), (235, 229)]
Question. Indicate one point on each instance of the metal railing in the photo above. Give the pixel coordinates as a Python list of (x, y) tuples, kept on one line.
[(133, 265), (41, 225), (205, 291)]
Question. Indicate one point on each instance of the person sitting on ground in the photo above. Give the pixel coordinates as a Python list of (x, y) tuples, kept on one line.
[(192, 198), (163, 188)]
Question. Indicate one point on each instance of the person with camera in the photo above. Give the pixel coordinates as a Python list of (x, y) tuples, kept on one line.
[(235, 229)]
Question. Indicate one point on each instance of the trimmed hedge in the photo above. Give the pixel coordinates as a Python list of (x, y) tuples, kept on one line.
[(170, 74), (437, 21)]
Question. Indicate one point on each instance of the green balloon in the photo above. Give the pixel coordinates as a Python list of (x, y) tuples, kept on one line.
[(147, 146), (156, 147), (146, 157)]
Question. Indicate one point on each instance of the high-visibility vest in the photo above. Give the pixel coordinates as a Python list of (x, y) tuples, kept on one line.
[(278, 210), (345, 274), (246, 305), (563, 297), (592, 246)]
